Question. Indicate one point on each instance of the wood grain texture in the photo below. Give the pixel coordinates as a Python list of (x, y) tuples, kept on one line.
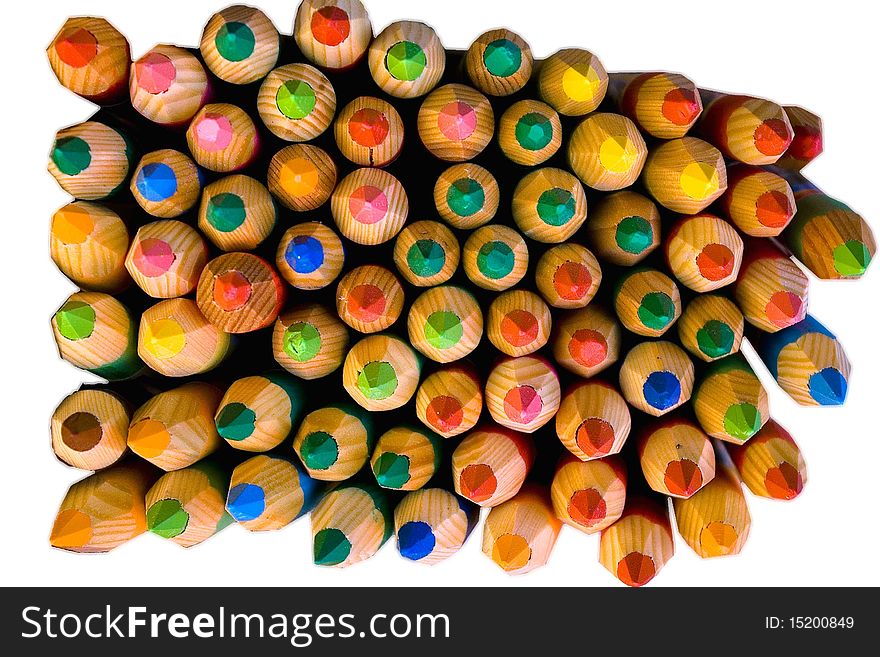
[(187, 181), (549, 205), (523, 393), (417, 448), (758, 202), (449, 518), (593, 420), (103, 172), (772, 290), (673, 385), (445, 323), (334, 442), (744, 128), (104, 78), (495, 257), (529, 132), (568, 276), (369, 298), (704, 252), (456, 122), (450, 400), (236, 213), (770, 463), (299, 268), (466, 196), (490, 465), (240, 292), (264, 52), (369, 206), (185, 93), (412, 83), (369, 132), (361, 514), (606, 151), (332, 54), (573, 81), (637, 547), (302, 177), (174, 429), (415, 253), (294, 346), (586, 341), (711, 327), (175, 339), (396, 377), (663, 105), (301, 120), (518, 323), (808, 140), (172, 246), (284, 498), (647, 302), (685, 175), (88, 243), (223, 138), (104, 510), (514, 70), (623, 228), (589, 495), (677, 457), (257, 413), (89, 429), (519, 534)]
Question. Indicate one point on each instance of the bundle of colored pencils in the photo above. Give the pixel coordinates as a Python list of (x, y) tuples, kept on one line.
[(386, 283)]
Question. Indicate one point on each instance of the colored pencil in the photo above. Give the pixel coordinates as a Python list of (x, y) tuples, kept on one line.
[(607, 152), (168, 85), (381, 372), (807, 362), (332, 34), (236, 213), (406, 458), (744, 128), (519, 534), (518, 323), (523, 393), (369, 298), (426, 253), (829, 238), (499, 62), (334, 442), (593, 420), (240, 44), (369, 206), (490, 465), (456, 122), (677, 458), (257, 413), (240, 292), (445, 323), (807, 143), (91, 58), (647, 302), (685, 175), (406, 59), (270, 492), (174, 429), (188, 506), (568, 275), (715, 521), (759, 202), (449, 401), (223, 138), (636, 547), (624, 227), (589, 495), (656, 377), (104, 510), (88, 243), (296, 102), (309, 341), (369, 132), (89, 428), (770, 463), (586, 341), (704, 252), (432, 524), (711, 327), (664, 105), (350, 524), (95, 332), (302, 177), (495, 257), (549, 205), (174, 339), (310, 256), (166, 183), (529, 132), (771, 290), (466, 196), (572, 81), (90, 161), (166, 258)]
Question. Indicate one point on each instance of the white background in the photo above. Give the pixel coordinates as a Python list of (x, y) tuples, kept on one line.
[(820, 55)]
